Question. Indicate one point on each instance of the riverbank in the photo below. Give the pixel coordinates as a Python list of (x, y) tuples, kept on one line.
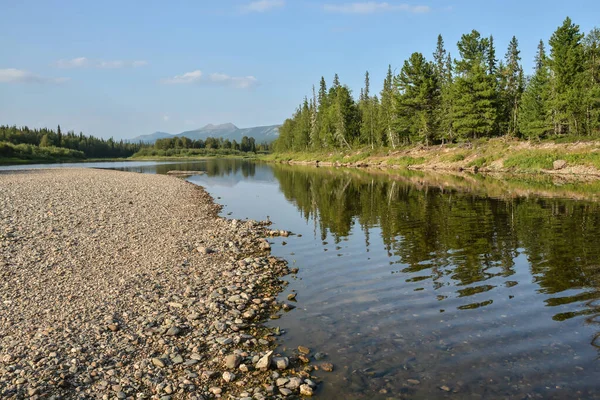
[(128, 285), (495, 155)]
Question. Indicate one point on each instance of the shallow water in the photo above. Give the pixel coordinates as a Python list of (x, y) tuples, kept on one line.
[(469, 287)]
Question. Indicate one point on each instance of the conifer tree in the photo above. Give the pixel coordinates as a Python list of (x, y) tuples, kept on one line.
[(59, 137), (387, 109), (566, 64), (418, 98), (474, 105), (534, 118), (591, 44), (513, 87)]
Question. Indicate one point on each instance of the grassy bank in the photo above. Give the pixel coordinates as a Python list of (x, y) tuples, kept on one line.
[(494, 155)]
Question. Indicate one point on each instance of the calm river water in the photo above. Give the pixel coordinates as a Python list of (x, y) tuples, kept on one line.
[(429, 286)]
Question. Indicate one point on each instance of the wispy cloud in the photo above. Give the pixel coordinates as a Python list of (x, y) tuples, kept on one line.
[(166, 118), (372, 7), (188, 77), (239, 82), (13, 75), (261, 6), (83, 62)]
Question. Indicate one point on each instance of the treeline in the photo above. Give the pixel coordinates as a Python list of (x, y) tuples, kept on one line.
[(89, 146), (248, 144), (182, 146), (445, 100)]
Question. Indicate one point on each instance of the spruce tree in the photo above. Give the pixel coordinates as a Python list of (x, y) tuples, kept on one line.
[(387, 109), (418, 98), (513, 87), (474, 105), (367, 113), (566, 64), (59, 137), (591, 44), (534, 117)]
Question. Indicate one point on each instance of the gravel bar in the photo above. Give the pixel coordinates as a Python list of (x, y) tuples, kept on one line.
[(117, 285)]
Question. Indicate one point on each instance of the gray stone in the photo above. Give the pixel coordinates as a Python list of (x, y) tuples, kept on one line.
[(159, 362), (228, 376), (281, 362), (232, 361), (265, 361)]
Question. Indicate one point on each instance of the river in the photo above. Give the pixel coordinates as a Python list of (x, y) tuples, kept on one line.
[(428, 286)]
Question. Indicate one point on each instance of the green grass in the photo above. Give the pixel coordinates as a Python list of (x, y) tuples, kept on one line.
[(531, 160), (454, 157), (405, 161), (478, 162), (543, 159)]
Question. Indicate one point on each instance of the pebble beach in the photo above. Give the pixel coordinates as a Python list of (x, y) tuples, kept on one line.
[(118, 285)]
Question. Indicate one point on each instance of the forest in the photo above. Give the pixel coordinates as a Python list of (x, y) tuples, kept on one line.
[(39, 144), (182, 146), (453, 100), (54, 145)]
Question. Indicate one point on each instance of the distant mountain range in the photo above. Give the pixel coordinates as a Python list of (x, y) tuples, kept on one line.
[(229, 131)]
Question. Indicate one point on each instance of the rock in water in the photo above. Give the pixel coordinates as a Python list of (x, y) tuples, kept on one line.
[(327, 367), (281, 362), (306, 390)]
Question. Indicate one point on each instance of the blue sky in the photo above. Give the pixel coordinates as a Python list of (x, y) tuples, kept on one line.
[(125, 68)]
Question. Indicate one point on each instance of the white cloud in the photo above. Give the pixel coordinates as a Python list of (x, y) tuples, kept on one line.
[(263, 5), (73, 63), (82, 62), (166, 118), (188, 77), (371, 7), (239, 82), (13, 75)]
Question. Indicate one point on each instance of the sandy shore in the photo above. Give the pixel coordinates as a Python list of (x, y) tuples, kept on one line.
[(123, 285)]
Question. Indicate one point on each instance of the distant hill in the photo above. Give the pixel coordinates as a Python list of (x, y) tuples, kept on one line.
[(229, 131), (153, 137)]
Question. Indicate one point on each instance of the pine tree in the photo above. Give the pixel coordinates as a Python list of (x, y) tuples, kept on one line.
[(534, 119)]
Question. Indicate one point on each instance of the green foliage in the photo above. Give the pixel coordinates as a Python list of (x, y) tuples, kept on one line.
[(181, 143), (90, 146), (417, 98), (9, 151), (453, 101)]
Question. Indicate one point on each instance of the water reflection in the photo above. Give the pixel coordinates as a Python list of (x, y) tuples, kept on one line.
[(453, 253)]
